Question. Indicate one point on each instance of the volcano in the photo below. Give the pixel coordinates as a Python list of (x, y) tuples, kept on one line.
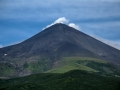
[(46, 51)]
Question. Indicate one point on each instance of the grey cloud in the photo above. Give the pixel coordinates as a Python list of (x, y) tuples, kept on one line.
[(34, 9)]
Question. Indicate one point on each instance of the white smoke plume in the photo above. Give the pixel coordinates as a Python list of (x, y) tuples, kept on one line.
[(74, 26), (63, 20)]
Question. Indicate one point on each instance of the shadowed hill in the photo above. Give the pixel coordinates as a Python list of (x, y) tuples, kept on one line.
[(72, 80)]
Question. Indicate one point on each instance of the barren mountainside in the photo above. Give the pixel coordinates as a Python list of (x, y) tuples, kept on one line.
[(40, 52)]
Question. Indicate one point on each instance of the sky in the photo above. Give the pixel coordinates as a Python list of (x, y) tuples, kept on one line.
[(21, 19)]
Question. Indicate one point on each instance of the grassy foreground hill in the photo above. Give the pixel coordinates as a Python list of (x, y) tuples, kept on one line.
[(72, 80), (68, 73)]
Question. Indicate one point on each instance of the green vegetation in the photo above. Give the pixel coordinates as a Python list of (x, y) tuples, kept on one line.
[(72, 80), (69, 73), (40, 65), (6, 69), (34, 65), (84, 63)]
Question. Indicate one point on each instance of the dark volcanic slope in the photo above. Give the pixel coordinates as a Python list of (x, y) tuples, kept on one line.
[(40, 52), (61, 40)]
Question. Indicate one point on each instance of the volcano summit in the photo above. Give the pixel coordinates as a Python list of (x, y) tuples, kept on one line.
[(52, 49)]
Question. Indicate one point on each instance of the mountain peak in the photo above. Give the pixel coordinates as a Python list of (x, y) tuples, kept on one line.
[(53, 44), (60, 28)]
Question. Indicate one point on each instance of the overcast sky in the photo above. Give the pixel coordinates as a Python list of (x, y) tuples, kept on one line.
[(21, 19)]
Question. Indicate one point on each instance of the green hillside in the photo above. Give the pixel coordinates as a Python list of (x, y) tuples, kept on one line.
[(69, 73), (72, 80), (84, 63), (60, 66)]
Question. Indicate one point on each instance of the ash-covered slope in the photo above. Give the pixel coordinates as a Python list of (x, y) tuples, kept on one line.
[(52, 44)]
